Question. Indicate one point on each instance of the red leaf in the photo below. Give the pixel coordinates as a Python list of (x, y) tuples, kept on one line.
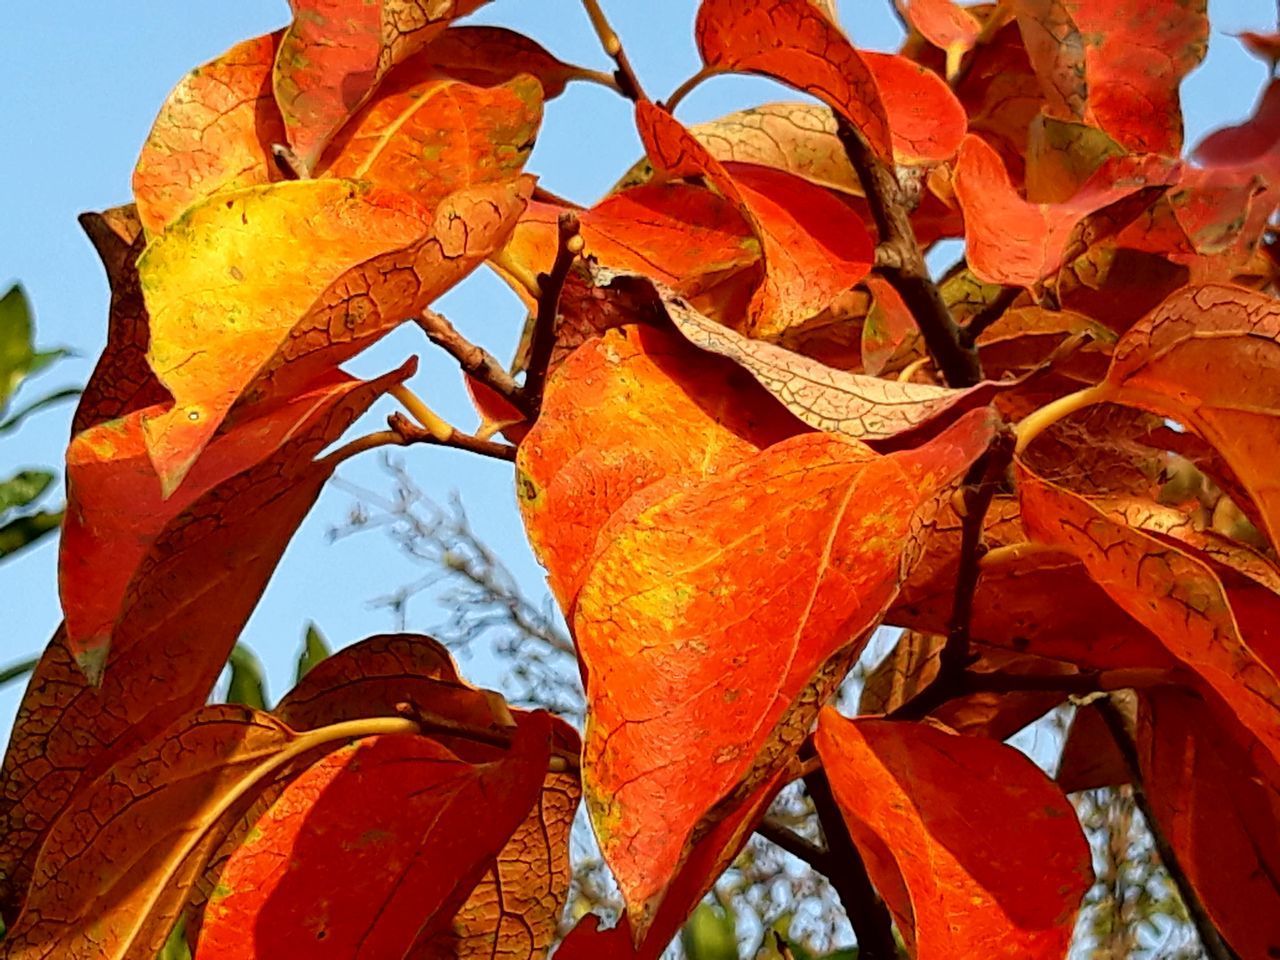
[(815, 247), (389, 810), (679, 621), (793, 41), (975, 851), (926, 119), (214, 133), (490, 55), (943, 23)]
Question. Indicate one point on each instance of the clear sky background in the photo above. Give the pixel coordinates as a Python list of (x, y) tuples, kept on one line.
[(80, 83)]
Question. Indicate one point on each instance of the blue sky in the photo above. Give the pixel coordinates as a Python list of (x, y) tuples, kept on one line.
[(80, 83)]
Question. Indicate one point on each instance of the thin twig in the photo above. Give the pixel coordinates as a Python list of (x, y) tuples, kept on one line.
[(901, 260), (433, 723), (550, 286), (474, 360), (1215, 947), (794, 844), (628, 82), (847, 873), (409, 433), (988, 315)]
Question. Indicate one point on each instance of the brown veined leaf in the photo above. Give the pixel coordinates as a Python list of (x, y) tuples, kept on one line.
[(114, 872), (914, 662), (680, 619), (179, 619), (116, 509), (215, 132), (1206, 358), (381, 257), (1176, 596), (815, 247), (1061, 157), (403, 802), (623, 412), (889, 330), (865, 408), (1012, 241), (121, 382), (1219, 812), (974, 849), (428, 135), (487, 56), (797, 137), (794, 42), (334, 55), (1055, 49)]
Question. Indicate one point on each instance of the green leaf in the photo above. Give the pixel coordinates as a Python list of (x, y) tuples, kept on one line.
[(247, 686), (175, 948), (22, 532), (16, 353), (314, 649), (22, 488), (36, 406), (710, 934)]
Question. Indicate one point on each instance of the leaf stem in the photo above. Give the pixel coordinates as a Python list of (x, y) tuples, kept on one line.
[(686, 88), (424, 415), (551, 286), (627, 81), (515, 273), (1036, 422), (901, 261), (1013, 552)]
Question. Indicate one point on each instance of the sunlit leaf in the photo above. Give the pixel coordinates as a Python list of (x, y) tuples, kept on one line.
[(246, 686), (315, 648), (492, 55)]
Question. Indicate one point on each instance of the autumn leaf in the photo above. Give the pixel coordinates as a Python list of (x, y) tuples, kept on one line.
[(214, 133), (178, 620), (1011, 241), (678, 619), (945, 24), (403, 800), (113, 875), (849, 404), (427, 136), (487, 56), (334, 55), (1176, 596), (889, 328), (792, 41), (926, 120), (121, 382), (975, 851), (380, 257), (814, 246), (623, 412)]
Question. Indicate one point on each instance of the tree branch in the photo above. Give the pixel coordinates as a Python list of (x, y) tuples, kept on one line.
[(1215, 947), (550, 286), (409, 432), (474, 360), (901, 260), (628, 82), (794, 844)]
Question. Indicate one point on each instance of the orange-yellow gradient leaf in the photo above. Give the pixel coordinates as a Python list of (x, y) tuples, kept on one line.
[(623, 412), (178, 619), (214, 133), (815, 246), (113, 874), (417, 826), (976, 852), (121, 382), (335, 53), (1177, 596), (1012, 241), (427, 135), (708, 612), (233, 303), (793, 41)]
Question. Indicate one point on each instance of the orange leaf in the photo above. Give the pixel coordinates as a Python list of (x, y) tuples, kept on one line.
[(1011, 241), (121, 381), (487, 56), (678, 620), (815, 247), (335, 53), (793, 41), (927, 121), (427, 135), (888, 328), (179, 617), (944, 23), (624, 412), (403, 801), (378, 258), (214, 133), (1176, 596), (975, 851)]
